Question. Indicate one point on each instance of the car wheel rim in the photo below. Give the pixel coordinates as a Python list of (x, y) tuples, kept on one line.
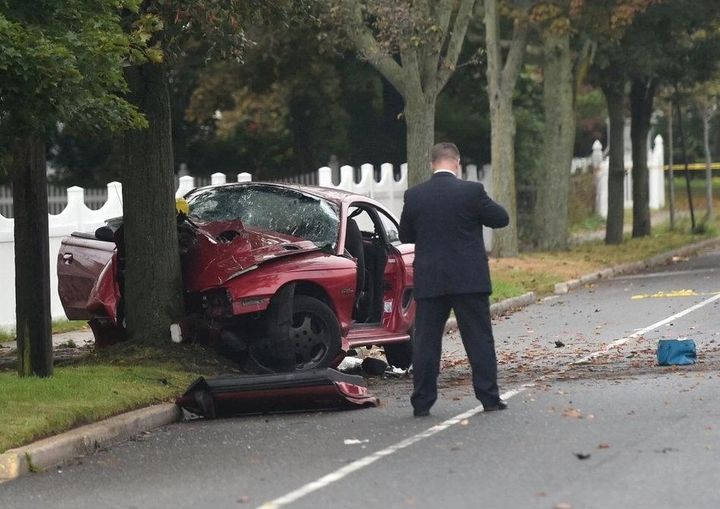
[(310, 338)]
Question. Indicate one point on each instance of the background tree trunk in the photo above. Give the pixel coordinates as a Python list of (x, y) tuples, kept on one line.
[(642, 93), (502, 76), (706, 116), (153, 282), (32, 264), (553, 182), (420, 123), (615, 98), (671, 170), (502, 148)]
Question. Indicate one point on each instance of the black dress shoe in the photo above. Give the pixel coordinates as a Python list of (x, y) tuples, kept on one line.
[(420, 413), (500, 405)]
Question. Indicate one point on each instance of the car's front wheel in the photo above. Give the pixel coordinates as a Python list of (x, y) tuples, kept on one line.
[(314, 334), (312, 340)]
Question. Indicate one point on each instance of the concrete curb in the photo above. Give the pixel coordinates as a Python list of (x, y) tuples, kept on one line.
[(626, 268), (502, 307), (84, 440)]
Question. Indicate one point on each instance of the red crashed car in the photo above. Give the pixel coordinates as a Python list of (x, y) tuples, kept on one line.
[(288, 277)]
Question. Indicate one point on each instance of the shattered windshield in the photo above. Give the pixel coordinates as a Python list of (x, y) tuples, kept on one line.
[(269, 208)]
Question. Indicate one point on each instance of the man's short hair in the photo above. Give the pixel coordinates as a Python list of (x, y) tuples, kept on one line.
[(444, 151)]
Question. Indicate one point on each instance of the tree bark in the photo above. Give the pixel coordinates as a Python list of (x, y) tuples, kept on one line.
[(420, 124), (502, 78), (32, 263), (553, 182), (671, 170), (502, 148), (615, 98), (706, 115), (642, 93), (153, 292)]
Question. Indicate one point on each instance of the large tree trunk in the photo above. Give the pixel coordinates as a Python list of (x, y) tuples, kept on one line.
[(615, 98), (420, 122), (553, 182), (502, 149), (642, 94), (153, 282), (32, 264), (502, 78)]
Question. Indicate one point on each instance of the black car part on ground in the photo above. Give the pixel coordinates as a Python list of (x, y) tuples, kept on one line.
[(320, 389)]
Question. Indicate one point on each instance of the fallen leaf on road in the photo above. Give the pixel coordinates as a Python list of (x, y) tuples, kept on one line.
[(603, 446), (572, 412), (563, 505)]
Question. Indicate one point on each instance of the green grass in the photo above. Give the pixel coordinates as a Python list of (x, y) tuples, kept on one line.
[(33, 408), (58, 327), (539, 272)]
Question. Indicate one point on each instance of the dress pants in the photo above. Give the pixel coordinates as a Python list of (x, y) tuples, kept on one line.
[(472, 311)]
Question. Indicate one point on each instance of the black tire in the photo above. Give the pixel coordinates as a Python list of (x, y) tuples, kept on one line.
[(399, 355), (314, 333), (313, 341)]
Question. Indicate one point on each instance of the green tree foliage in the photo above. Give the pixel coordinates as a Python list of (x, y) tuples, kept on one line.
[(415, 46), (61, 62)]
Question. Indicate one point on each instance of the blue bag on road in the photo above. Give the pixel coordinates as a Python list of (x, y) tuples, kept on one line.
[(676, 352)]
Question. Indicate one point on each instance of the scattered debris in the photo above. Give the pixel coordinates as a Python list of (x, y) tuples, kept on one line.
[(603, 446), (559, 344), (243, 500), (574, 413), (284, 392), (582, 455), (373, 366), (355, 441), (676, 352), (464, 422)]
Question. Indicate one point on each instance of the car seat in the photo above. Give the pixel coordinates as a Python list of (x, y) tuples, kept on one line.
[(354, 246)]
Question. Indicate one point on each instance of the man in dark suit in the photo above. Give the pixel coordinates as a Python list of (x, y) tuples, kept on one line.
[(444, 217)]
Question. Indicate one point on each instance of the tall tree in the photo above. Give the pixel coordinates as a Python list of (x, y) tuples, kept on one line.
[(153, 283), (415, 46), (564, 70), (502, 75), (606, 22), (685, 53), (60, 63)]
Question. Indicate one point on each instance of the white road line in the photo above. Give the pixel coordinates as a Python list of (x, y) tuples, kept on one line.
[(372, 458)]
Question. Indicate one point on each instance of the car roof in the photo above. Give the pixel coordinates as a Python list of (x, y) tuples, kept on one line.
[(336, 196)]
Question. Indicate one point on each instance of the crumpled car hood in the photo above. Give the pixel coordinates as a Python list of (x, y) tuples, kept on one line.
[(223, 250)]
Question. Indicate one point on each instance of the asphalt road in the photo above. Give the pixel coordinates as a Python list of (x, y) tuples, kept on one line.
[(649, 436)]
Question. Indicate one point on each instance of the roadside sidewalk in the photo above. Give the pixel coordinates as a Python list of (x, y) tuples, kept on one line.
[(657, 218), (81, 338)]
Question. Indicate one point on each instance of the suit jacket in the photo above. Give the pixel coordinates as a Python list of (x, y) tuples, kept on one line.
[(444, 217)]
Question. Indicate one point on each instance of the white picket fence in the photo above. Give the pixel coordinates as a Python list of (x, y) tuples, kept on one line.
[(656, 163)]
